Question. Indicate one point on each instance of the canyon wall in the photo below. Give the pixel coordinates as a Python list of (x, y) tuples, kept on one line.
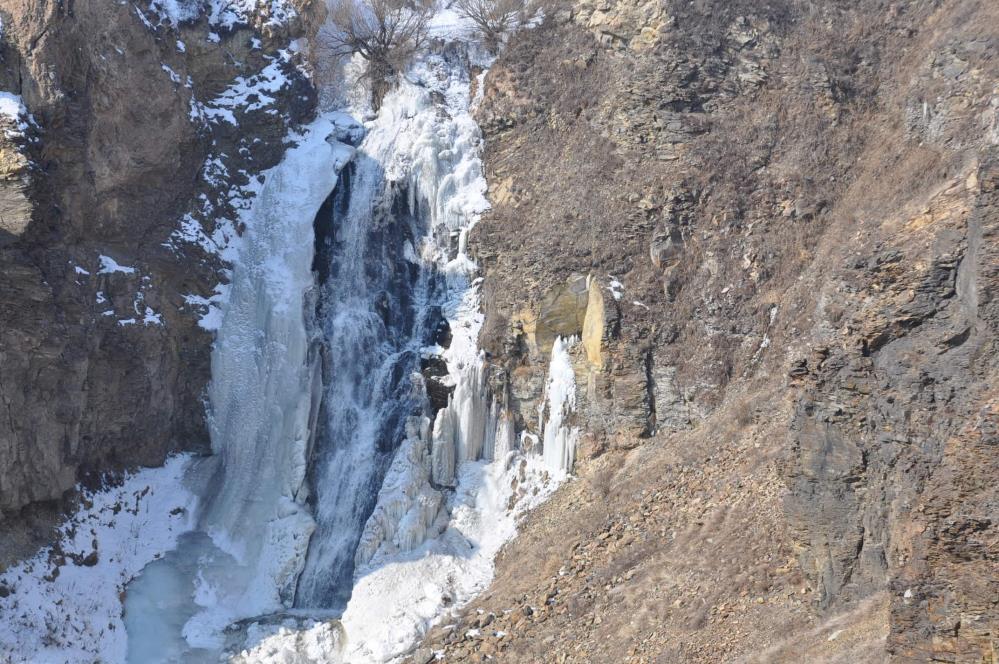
[(139, 136), (773, 226)]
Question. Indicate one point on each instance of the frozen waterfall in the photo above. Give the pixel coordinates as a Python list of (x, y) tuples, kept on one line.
[(264, 375), (363, 475), (559, 437), (392, 269), (254, 525)]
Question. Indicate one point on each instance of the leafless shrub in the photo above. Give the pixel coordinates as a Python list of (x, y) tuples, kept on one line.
[(744, 415), (386, 33), (600, 481), (495, 18)]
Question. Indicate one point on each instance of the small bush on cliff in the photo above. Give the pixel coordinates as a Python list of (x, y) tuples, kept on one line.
[(494, 19), (386, 33)]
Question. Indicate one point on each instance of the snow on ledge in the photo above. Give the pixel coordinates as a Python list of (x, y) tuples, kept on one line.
[(13, 110), (110, 266), (224, 14)]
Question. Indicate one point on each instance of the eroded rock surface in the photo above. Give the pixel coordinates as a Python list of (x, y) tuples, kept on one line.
[(789, 212)]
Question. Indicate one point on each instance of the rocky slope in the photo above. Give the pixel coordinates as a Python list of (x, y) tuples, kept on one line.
[(773, 227), (138, 138)]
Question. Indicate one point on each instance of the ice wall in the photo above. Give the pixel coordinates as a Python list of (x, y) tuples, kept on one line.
[(409, 510), (253, 527), (263, 375)]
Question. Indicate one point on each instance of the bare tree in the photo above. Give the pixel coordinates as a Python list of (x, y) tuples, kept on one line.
[(386, 33), (495, 18)]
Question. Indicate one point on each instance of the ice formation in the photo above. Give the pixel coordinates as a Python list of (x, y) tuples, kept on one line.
[(443, 501), (416, 181), (263, 377), (263, 403), (559, 439)]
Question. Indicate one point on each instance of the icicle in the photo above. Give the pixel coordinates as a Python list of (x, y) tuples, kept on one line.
[(506, 435), (489, 443), (559, 441), (470, 401), (442, 452)]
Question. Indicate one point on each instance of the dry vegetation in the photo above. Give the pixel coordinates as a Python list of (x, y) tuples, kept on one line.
[(495, 19), (386, 33), (773, 145), (671, 552)]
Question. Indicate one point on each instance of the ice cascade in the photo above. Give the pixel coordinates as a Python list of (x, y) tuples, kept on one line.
[(253, 526), (413, 504), (559, 439)]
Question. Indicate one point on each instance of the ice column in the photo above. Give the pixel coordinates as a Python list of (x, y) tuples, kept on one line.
[(409, 509), (558, 438)]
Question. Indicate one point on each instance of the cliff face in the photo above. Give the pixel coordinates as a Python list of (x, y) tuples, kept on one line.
[(773, 227), (137, 143)]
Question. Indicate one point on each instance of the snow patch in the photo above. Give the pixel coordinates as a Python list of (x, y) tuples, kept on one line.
[(76, 617), (222, 14), (246, 94), (111, 266), (174, 76), (616, 287), (13, 110)]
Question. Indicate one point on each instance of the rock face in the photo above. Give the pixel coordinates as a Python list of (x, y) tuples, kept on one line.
[(786, 214), (117, 201)]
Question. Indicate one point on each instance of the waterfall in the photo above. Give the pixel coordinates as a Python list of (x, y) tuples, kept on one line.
[(374, 316), (341, 483), (253, 525), (379, 310), (412, 497), (263, 374), (363, 475)]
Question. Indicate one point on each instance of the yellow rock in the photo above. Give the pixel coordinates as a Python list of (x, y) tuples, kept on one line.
[(15, 208), (561, 313), (593, 325)]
